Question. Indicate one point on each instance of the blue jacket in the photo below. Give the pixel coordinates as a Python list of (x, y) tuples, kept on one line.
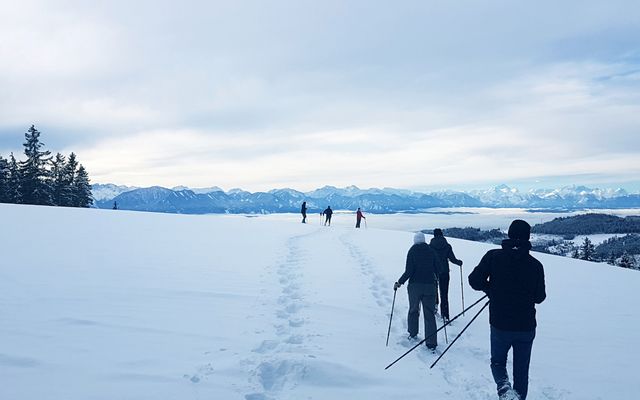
[(514, 281)]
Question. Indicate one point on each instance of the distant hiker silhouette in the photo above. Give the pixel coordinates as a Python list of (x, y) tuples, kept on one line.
[(328, 212), (303, 210), (514, 282), (359, 217), (420, 270), (444, 254)]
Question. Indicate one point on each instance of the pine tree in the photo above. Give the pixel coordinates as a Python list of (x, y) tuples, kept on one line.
[(588, 250), (14, 182), (68, 178), (61, 192), (81, 189), (576, 253), (612, 258), (4, 179), (627, 261), (35, 185)]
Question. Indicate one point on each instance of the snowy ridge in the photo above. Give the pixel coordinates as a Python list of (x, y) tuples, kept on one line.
[(109, 191), (387, 200), (163, 306)]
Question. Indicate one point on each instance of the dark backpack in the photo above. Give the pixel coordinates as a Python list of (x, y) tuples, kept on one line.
[(442, 262)]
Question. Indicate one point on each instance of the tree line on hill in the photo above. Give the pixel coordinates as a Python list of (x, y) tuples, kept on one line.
[(474, 234), (588, 224), (622, 251), (42, 179)]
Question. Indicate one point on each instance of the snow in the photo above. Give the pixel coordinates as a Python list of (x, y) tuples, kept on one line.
[(459, 217), (103, 304), (596, 239)]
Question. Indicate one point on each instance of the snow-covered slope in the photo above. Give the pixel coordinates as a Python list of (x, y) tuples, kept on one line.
[(102, 304)]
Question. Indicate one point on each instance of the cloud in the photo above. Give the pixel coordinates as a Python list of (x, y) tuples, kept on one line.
[(304, 93)]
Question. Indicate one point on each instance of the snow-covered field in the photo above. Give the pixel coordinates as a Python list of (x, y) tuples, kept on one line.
[(460, 217), (102, 304)]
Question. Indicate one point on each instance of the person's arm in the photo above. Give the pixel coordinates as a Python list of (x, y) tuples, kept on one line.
[(479, 277), (408, 269), (541, 292), (452, 257)]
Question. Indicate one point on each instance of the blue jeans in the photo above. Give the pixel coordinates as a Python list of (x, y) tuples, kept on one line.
[(501, 343)]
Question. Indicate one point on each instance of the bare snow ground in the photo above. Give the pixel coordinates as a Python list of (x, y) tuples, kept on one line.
[(102, 304)]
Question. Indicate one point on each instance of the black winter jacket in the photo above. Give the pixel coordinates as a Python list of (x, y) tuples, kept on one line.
[(514, 281), (421, 265), (444, 254)]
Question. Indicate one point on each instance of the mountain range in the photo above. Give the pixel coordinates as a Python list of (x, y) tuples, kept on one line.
[(185, 200)]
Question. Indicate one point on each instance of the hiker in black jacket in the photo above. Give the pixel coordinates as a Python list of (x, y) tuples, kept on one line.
[(444, 254), (303, 210), (421, 271), (514, 282)]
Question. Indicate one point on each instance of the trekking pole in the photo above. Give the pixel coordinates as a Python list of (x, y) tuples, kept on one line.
[(462, 288), (446, 338), (391, 317), (459, 334), (423, 340)]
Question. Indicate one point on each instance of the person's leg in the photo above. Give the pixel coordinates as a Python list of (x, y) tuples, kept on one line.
[(357, 223), (444, 295), (414, 310), (500, 345), (429, 306), (521, 359)]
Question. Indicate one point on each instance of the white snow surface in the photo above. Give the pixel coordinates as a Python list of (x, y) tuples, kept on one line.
[(103, 304)]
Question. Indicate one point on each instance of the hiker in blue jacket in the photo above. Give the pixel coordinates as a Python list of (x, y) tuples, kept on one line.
[(514, 281)]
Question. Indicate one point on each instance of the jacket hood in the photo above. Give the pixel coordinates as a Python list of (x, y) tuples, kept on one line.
[(518, 246), (439, 242)]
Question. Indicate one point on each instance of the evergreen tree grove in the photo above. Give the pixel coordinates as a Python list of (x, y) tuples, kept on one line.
[(41, 180)]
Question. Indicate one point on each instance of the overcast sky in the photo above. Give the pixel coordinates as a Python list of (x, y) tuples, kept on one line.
[(268, 94)]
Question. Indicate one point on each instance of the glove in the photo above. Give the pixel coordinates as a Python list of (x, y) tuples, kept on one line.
[(396, 286)]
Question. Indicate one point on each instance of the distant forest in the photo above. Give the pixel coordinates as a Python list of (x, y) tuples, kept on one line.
[(622, 251), (474, 234), (589, 224), (42, 179)]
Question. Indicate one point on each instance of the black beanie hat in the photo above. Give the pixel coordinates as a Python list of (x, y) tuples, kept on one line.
[(437, 232), (520, 229)]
